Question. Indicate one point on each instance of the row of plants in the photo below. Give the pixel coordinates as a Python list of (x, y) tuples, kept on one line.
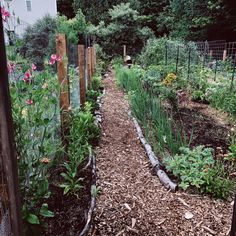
[(203, 79), (40, 150), (153, 96)]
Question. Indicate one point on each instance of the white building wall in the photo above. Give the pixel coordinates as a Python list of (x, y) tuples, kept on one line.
[(39, 8)]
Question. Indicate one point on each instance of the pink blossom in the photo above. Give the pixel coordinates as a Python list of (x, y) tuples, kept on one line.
[(33, 67), (29, 102), (27, 74), (5, 14), (10, 67), (26, 79), (54, 58)]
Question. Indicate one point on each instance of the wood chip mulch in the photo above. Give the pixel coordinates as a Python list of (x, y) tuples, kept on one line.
[(131, 201)]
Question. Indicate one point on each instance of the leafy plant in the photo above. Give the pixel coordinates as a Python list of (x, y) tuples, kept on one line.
[(197, 168)]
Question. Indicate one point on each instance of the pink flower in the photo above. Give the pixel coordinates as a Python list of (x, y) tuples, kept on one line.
[(54, 58), (33, 67), (29, 102), (5, 14), (58, 58), (27, 74), (10, 67), (26, 79)]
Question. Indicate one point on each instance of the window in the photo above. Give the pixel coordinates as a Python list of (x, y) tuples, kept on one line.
[(28, 5)]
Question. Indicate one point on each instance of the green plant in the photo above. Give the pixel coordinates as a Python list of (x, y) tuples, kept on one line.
[(197, 168), (83, 132), (39, 41), (72, 183), (35, 110)]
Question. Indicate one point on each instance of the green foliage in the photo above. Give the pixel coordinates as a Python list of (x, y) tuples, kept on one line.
[(125, 27), (197, 168), (39, 41), (72, 27), (159, 129), (83, 132), (35, 112)]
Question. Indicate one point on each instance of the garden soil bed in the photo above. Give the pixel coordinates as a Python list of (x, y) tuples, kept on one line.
[(204, 125), (132, 201), (70, 210)]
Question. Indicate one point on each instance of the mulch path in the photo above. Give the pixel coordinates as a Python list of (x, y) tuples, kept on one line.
[(131, 201)]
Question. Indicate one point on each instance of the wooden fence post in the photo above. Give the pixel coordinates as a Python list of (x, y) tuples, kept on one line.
[(81, 53), (224, 55), (7, 151), (92, 61), (211, 54), (63, 79), (89, 67), (95, 59)]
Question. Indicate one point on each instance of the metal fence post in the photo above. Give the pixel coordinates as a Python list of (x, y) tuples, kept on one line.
[(7, 146), (177, 60), (216, 69), (232, 78), (189, 61), (166, 53)]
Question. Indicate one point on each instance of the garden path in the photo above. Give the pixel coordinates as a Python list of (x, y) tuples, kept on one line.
[(131, 201)]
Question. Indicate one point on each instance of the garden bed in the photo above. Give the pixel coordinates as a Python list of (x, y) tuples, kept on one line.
[(70, 210), (204, 125)]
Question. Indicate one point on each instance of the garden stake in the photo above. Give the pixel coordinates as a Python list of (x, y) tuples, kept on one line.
[(189, 61), (233, 226), (216, 69), (177, 60)]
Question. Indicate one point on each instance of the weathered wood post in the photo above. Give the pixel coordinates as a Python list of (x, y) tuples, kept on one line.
[(92, 60), (95, 59), (7, 150), (63, 79), (89, 68), (81, 52)]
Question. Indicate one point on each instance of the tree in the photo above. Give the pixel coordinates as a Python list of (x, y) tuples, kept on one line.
[(125, 27)]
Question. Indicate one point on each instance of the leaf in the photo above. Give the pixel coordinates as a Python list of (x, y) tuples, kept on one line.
[(33, 219), (45, 212)]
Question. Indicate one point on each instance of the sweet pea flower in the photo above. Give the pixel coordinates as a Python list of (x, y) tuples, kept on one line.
[(5, 14), (33, 67), (26, 79), (10, 67), (54, 58), (29, 102)]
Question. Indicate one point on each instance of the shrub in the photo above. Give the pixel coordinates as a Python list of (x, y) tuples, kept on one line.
[(39, 41)]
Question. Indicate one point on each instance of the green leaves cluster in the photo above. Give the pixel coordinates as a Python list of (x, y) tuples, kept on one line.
[(197, 168)]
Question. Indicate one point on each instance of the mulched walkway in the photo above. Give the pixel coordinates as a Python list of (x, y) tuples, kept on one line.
[(131, 201)]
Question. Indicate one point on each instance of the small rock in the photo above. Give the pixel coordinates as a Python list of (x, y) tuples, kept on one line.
[(188, 215)]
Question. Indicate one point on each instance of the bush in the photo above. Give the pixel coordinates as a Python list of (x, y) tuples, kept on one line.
[(39, 41), (197, 168)]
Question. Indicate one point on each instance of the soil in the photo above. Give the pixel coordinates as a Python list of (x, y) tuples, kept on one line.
[(132, 201), (70, 210), (204, 125)]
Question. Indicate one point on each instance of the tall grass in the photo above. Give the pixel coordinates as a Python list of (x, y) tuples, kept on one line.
[(146, 107)]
